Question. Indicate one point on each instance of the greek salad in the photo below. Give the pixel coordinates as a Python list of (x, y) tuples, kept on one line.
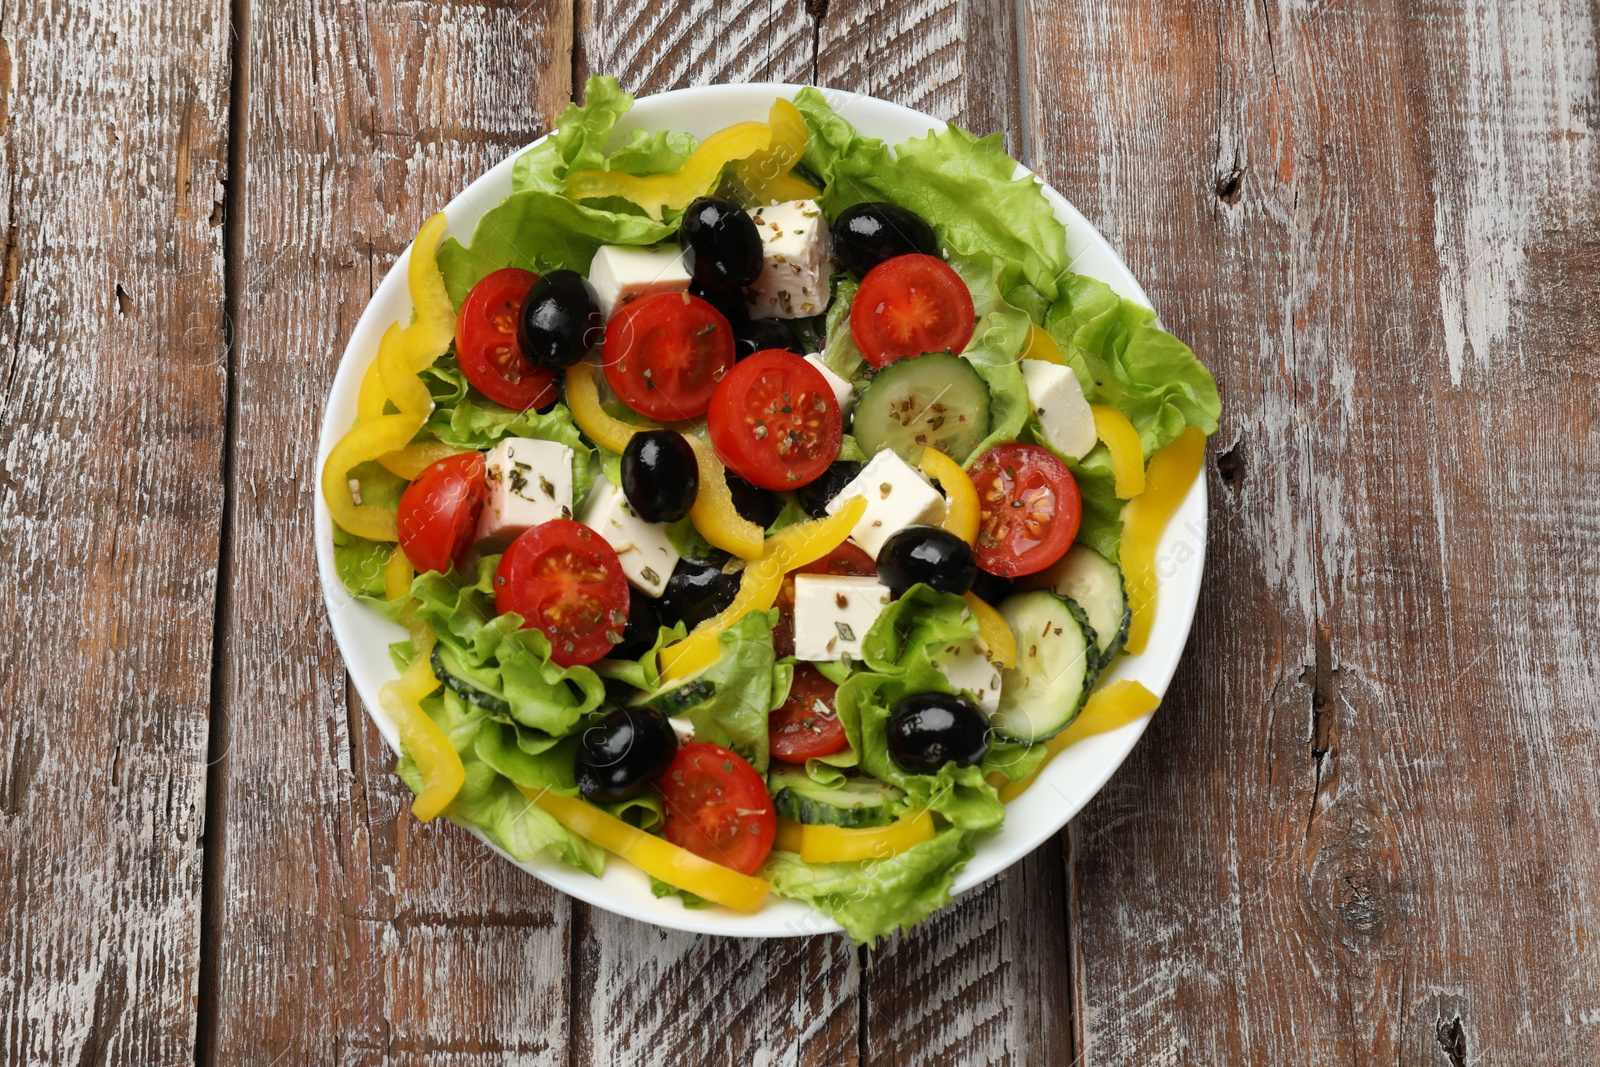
[(762, 509)]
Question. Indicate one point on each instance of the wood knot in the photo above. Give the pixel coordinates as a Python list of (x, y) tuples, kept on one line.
[(1230, 186), (1354, 883)]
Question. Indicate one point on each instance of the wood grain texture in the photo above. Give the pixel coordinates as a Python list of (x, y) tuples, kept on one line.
[(343, 931), (113, 134), (956, 59), (1358, 830)]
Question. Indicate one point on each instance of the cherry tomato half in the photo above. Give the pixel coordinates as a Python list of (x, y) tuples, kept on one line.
[(718, 807), (806, 723), (774, 421), (910, 305), (848, 559), (438, 516), (564, 580), (1031, 509), (665, 354), (486, 343)]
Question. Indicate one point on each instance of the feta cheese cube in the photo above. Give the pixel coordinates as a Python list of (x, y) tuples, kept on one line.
[(897, 496), (843, 391), (1065, 421), (530, 482), (643, 548), (797, 261), (620, 273), (832, 613), (969, 670)]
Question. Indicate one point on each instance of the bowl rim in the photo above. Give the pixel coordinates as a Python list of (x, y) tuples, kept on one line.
[(363, 636)]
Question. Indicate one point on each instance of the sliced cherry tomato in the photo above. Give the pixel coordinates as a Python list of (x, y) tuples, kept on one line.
[(564, 580), (718, 807), (848, 559), (1031, 509), (665, 354), (486, 343), (806, 723), (439, 511), (774, 421), (910, 305)]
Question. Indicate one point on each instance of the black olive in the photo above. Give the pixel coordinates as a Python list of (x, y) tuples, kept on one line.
[(559, 321), (926, 554), (729, 302), (928, 730), (991, 588), (643, 627), (695, 592), (868, 234), (752, 502), (814, 496), (723, 244), (758, 335), (622, 753), (659, 475)]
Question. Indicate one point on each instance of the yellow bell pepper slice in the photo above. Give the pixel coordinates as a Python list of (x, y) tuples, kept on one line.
[(701, 172), (835, 844), (793, 546), (1108, 708), (662, 859), (1042, 346), (713, 513), (397, 575), (767, 176), (436, 758), (961, 510), (402, 355), (370, 403), (993, 631), (1172, 471), (583, 400), (367, 441), (1127, 454), (417, 457)]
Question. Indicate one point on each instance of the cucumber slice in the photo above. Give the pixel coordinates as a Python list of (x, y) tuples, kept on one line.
[(1095, 584), (679, 698), (449, 670), (858, 802), (1044, 692), (936, 400)]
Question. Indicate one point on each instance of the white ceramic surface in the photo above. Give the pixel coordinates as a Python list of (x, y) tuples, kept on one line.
[(1065, 785)]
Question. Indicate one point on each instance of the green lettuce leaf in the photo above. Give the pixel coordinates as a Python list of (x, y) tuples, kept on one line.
[(872, 899), (537, 228), (489, 801), (746, 677), (501, 657), (995, 351), (1122, 358)]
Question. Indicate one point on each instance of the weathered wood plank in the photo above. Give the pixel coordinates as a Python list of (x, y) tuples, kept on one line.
[(956, 59), (644, 995), (345, 932), (113, 136), (985, 982), (1356, 832)]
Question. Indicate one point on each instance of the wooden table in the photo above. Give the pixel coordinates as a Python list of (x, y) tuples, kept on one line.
[(1363, 828)]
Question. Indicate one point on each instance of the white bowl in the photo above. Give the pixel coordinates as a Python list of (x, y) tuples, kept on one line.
[(1066, 783)]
